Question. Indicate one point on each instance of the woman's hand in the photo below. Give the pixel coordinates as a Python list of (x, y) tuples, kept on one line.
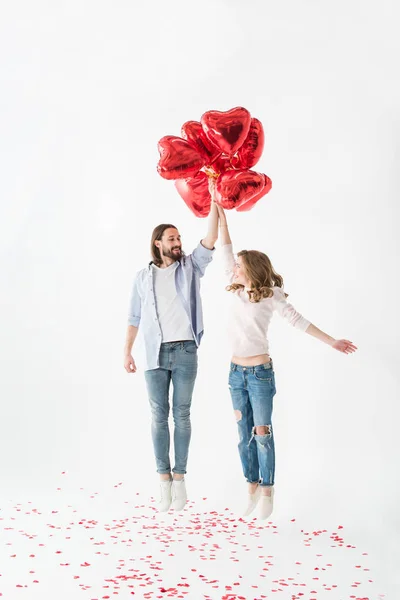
[(344, 346), (223, 226), (222, 216), (211, 187)]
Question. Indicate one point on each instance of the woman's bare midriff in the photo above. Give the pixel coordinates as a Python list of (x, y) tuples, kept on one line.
[(251, 361)]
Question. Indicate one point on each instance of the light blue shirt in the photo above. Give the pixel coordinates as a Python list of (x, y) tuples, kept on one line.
[(142, 305)]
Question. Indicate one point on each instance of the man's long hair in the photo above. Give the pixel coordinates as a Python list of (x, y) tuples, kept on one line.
[(157, 234)]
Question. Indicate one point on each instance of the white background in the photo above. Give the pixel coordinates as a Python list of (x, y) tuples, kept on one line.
[(87, 89)]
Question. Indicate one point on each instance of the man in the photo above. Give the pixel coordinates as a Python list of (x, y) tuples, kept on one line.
[(166, 305)]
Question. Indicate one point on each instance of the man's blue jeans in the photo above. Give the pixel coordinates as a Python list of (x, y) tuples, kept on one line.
[(178, 363), (252, 390)]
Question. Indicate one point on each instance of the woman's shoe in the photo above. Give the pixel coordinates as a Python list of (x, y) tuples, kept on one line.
[(266, 505), (252, 501)]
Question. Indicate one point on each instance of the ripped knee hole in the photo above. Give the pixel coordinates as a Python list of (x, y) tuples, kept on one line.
[(263, 430), (238, 415)]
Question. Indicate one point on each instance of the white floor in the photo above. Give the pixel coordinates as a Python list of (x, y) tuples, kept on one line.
[(113, 544)]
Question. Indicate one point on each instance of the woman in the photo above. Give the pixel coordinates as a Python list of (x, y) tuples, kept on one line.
[(257, 291)]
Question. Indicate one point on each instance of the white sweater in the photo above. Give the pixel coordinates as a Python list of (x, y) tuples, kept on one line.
[(249, 321)]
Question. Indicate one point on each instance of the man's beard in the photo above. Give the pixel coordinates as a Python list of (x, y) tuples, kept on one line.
[(172, 254)]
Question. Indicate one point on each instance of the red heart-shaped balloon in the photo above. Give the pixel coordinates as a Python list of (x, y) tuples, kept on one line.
[(178, 158), (195, 192), (227, 130), (193, 132), (250, 203), (234, 188), (250, 152), (222, 164)]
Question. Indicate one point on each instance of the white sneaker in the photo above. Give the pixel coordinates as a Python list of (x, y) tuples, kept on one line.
[(165, 500), (252, 501), (266, 505), (179, 496)]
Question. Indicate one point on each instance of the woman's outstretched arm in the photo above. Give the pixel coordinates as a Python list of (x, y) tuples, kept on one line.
[(294, 318), (344, 346)]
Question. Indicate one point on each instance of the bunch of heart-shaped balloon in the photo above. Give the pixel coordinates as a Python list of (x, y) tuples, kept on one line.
[(224, 146)]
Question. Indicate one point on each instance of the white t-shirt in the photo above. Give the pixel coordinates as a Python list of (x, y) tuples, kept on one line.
[(249, 321), (173, 319)]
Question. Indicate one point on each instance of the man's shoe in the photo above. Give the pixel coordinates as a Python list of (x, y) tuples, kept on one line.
[(165, 496)]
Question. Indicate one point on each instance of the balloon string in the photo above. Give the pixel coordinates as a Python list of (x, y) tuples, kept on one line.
[(211, 173)]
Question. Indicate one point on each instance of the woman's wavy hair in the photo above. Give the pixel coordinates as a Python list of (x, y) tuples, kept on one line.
[(260, 272)]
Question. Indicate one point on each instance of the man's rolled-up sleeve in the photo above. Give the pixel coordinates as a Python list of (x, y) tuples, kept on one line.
[(201, 257), (135, 304)]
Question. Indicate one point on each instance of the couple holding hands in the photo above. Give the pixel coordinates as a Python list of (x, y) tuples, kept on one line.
[(165, 305)]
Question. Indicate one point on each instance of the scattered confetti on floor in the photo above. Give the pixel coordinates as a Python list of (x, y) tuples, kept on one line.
[(122, 547)]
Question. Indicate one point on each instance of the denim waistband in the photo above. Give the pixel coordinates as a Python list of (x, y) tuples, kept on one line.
[(265, 366), (177, 343)]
